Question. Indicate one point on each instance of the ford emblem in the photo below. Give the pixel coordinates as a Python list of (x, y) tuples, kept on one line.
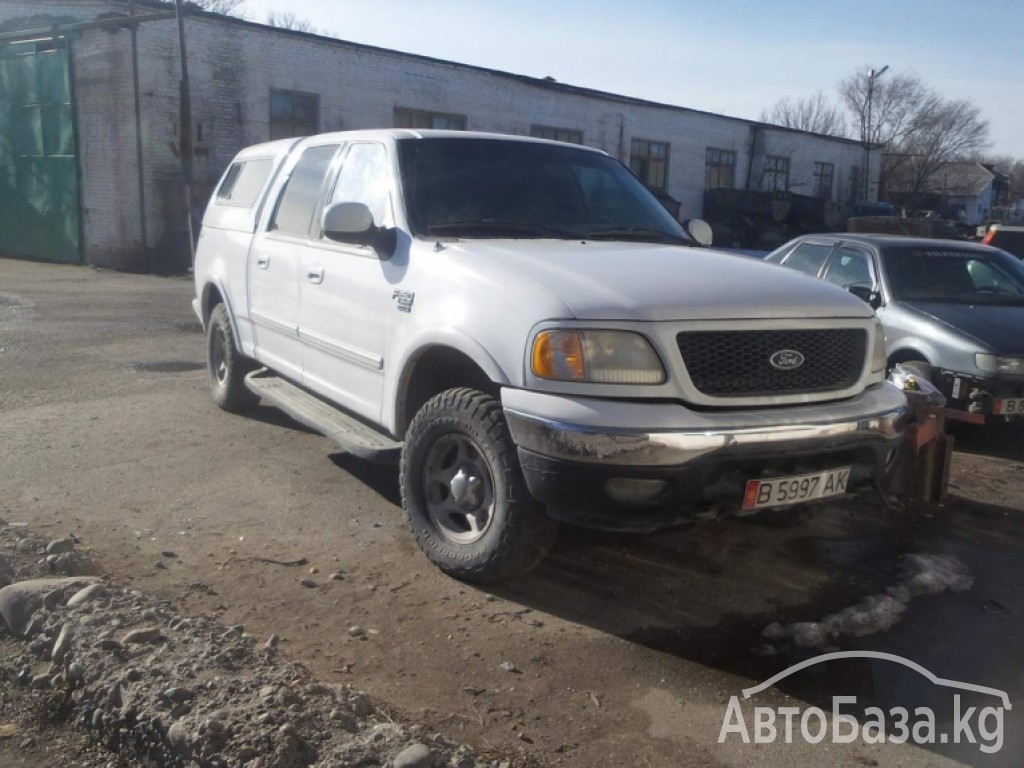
[(787, 360)]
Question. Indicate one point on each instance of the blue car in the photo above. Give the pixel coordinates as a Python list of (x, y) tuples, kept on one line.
[(953, 312)]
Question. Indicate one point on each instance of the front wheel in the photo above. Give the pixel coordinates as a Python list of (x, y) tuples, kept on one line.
[(464, 493)]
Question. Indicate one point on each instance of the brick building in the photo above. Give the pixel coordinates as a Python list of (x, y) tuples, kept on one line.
[(89, 104)]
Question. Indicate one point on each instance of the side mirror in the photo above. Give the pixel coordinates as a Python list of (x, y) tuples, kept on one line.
[(352, 223), (699, 230), (348, 223), (865, 294)]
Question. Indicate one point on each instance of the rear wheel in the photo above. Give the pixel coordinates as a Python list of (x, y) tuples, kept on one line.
[(464, 493), (227, 366)]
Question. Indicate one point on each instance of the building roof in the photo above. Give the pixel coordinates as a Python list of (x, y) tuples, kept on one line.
[(965, 179)]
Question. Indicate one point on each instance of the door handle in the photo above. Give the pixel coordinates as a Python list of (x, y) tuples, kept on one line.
[(263, 262), (315, 274)]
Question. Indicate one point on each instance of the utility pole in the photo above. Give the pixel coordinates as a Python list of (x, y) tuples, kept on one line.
[(185, 152), (872, 76)]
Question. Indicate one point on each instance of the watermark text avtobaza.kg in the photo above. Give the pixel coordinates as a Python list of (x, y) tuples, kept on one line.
[(980, 725)]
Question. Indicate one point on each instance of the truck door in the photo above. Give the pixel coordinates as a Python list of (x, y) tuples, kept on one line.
[(275, 269), (346, 294)]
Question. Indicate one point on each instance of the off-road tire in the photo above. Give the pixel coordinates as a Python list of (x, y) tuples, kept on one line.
[(519, 534), (227, 381)]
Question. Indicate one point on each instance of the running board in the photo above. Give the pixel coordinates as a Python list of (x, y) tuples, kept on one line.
[(354, 436)]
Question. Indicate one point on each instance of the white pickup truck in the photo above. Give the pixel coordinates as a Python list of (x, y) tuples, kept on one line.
[(537, 339)]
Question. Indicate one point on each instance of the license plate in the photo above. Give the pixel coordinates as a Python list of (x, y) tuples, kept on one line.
[(1009, 406), (793, 490)]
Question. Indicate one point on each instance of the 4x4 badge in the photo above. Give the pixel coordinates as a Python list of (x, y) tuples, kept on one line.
[(787, 359), (404, 299)]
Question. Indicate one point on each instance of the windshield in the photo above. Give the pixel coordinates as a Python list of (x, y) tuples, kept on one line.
[(954, 275), (488, 188)]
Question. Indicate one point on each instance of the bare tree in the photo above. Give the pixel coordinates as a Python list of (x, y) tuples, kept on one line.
[(289, 20), (815, 114), (919, 130), (223, 7)]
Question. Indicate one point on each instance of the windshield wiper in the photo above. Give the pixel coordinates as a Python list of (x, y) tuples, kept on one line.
[(491, 225), (639, 234)]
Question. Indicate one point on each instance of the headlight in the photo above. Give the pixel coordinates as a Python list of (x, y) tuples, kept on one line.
[(1010, 366), (879, 358), (598, 357)]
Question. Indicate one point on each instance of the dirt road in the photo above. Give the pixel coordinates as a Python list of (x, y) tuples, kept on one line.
[(627, 648)]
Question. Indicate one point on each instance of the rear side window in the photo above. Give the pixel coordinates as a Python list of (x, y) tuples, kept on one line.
[(243, 182), (808, 257), (301, 194)]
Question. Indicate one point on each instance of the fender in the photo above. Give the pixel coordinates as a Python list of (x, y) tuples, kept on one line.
[(213, 281), (401, 368)]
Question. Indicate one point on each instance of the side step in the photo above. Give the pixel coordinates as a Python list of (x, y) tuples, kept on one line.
[(354, 436)]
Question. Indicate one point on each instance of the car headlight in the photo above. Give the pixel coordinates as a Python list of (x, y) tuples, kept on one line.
[(1010, 366), (597, 357), (879, 358)]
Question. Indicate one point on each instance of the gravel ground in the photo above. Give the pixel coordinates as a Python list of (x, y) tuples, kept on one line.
[(627, 648), (157, 688)]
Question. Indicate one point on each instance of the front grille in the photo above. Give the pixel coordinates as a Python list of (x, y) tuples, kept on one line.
[(737, 363)]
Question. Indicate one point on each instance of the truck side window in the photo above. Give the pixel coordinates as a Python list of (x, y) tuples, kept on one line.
[(244, 181), (294, 212), (364, 179), (808, 257)]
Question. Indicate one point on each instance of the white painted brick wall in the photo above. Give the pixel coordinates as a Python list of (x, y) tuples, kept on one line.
[(233, 67)]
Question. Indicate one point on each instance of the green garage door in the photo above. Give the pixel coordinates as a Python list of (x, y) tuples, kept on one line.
[(39, 207)]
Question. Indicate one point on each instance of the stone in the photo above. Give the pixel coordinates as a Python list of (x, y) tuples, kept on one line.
[(62, 645), (142, 635), (272, 642), (415, 756), (178, 694), (179, 738), (508, 666), (53, 599), (60, 546), (40, 681), (20, 600), (308, 583), (169, 553), (76, 673), (85, 595), (356, 631), (337, 576)]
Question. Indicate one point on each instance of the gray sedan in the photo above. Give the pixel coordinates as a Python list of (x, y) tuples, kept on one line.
[(953, 312)]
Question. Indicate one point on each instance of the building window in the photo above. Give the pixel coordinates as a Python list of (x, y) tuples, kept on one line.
[(556, 134), (420, 118), (776, 174), (823, 175), (649, 161), (293, 113), (719, 168)]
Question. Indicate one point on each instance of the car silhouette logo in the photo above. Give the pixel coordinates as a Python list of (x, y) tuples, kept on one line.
[(787, 359)]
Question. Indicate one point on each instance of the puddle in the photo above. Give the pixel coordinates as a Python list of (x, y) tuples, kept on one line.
[(168, 366)]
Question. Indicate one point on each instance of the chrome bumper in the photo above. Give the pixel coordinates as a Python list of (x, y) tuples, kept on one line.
[(662, 448)]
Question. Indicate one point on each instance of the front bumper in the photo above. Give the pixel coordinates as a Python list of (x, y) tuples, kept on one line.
[(977, 394), (570, 448)]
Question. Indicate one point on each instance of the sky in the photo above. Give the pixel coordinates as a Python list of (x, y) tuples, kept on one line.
[(735, 57)]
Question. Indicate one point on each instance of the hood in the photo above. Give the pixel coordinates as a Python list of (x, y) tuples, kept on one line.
[(649, 282), (999, 327)]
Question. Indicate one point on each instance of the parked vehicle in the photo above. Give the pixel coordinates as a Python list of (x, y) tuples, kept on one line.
[(535, 337), (953, 312), (1009, 237)]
